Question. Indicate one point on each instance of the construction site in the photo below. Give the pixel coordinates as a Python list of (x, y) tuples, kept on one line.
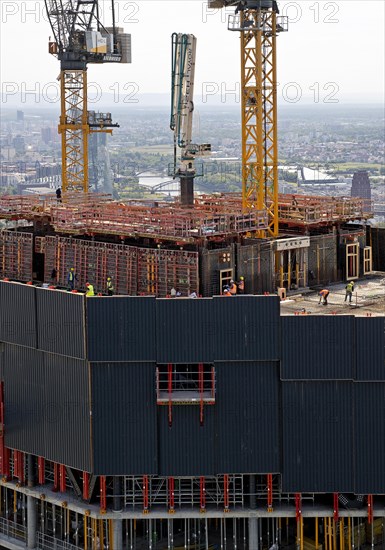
[(153, 413)]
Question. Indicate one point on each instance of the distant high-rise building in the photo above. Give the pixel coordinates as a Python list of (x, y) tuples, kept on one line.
[(20, 116), (19, 144), (47, 135), (361, 185)]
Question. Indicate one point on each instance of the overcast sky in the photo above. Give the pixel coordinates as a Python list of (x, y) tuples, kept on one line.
[(334, 50)]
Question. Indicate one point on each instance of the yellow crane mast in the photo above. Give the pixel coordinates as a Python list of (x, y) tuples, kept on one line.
[(80, 38), (258, 23)]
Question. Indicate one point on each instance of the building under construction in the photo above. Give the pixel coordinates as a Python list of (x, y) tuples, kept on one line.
[(143, 421), (147, 421)]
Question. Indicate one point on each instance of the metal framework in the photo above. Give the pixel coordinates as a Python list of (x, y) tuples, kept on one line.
[(259, 28), (74, 130)]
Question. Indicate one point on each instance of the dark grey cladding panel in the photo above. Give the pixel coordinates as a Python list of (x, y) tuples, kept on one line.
[(25, 403), (67, 428), (18, 314), (248, 417), (317, 437), (121, 328), (247, 328), (124, 425), (187, 448), (60, 322), (370, 344), (2, 350), (185, 330), (369, 419), (47, 407), (318, 348)]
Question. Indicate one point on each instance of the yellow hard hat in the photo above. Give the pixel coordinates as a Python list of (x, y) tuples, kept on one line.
[(108, 278)]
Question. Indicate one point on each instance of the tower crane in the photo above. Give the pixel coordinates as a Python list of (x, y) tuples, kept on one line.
[(258, 23), (182, 108), (80, 38)]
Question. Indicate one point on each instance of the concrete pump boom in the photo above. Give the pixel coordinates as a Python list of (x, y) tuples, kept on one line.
[(182, 108)]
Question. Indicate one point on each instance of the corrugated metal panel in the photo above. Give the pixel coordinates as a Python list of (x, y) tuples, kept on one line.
[(317, 437), (124, 418), (369, 432), (184, 330), (67, 429), (256, 263), (60, 322), (17, 314), (248, 415), (247, 328), (318, 348), (2, 350), (187, 448), (47, 410), (370, 345), (121, 328), (24, 399)]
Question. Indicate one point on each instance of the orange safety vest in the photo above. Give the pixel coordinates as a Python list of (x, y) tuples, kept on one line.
[(233, 289), (324, 292), (241, 285)]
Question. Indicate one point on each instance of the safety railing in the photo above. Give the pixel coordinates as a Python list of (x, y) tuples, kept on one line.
[(46, 542), (13, 530), (185, 384)]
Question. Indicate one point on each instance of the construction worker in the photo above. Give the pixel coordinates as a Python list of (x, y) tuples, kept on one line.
[(110, 287), (233, 288), (90, 290), (226, 292), (349, 291), (241, 285), (323, 294), (72, 277)]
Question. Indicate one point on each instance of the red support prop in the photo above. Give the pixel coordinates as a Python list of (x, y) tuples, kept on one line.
[(370, 509), (86, 487), (145, 494), (203, 493), (269, 492), (335, 507), (41, 470), (103, 494), (171, 495), (62, 478), (298, 510), (226, 492), (169, 371), (201, 385), (20, 474), (55, 477), (6, 464)]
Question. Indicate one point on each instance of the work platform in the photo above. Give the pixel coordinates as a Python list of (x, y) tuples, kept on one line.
[(211, 217)]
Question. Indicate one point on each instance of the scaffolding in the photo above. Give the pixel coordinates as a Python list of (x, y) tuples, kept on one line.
[(211, 217), (16, 255)]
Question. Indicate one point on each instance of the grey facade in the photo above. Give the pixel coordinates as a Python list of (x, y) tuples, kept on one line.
[(285, 403)]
